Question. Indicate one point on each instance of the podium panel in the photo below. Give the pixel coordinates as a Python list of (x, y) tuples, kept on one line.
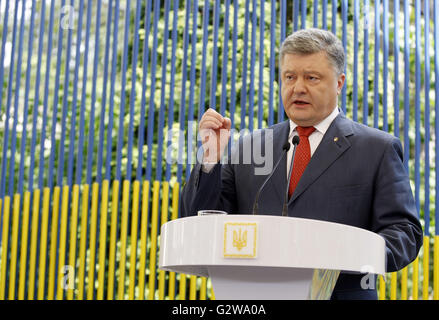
[(268, 257)]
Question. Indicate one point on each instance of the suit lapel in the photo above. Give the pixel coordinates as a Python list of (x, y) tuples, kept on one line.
[(278, 181), (332, 146)]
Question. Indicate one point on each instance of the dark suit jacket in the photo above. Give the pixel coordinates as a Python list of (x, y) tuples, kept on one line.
[(357, 179)]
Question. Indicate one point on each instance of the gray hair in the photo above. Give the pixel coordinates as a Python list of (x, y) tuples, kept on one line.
[(309, 41)]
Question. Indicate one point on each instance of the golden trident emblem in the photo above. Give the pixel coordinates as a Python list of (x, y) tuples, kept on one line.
[(239, 240)]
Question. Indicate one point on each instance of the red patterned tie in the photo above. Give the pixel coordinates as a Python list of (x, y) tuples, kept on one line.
[(302, 157)]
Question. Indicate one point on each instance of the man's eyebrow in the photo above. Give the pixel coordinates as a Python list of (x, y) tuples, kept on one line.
[(305, 72)]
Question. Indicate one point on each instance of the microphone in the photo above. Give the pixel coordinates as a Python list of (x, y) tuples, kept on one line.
[(296, 141), (285, 149)]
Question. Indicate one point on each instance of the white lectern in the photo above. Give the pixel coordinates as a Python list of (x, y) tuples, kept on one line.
[(269, 257)]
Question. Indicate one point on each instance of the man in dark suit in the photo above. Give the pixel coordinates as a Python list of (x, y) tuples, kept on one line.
[(343, 171)]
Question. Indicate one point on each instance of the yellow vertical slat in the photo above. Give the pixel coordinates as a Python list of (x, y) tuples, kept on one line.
[(415, 264), (24, 245), (174, 215), (14, 246), (53, 244), (193, 288), (73, 235), (83, 241), (163, 220), (153, 250), (33, 244), (382, 288), (43, 244), (426, 268), (134, 225), (4, 244), (404, 276), (203, 288), (102, 239), (123, 239), (436, 268), (212, 294), (143, 239), (112, 253), (182, 287), (62, 242), (92, 247), (393, 283)]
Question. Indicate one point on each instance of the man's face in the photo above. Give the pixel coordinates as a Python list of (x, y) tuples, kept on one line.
[(310, 86)]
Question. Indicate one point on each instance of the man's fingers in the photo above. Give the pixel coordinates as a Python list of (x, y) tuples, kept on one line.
[(227, 124), (210, 123)]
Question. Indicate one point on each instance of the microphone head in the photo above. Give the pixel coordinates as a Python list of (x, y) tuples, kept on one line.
[(296, 140), (286, 146)]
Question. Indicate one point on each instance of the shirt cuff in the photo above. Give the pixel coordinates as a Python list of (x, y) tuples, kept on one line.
[(207, 167)]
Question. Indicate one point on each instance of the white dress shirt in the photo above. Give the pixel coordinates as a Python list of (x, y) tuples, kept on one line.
[(315, 138)]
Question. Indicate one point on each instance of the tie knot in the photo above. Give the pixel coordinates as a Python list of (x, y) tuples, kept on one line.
[(305, 131)]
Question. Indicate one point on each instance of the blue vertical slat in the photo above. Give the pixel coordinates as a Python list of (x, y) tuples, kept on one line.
[(355, 66), (225, 61), (244, 67), (406, 85), (55, 101), (46, 97), (104, 93), (396, 68), (151, 110), (261, 65), (60, 159), (75, 96), (417, 101), (436, 102), (366, 62), (385, 61), (214, 69), (182, 115), (427, 118), (2, 55), (172, 91), (334, 17), (91, 127), (8, 107), (16, 102), (112, 92), (36, 97), (162, 94), (203, 74), (80, 155), (252, 66), (190, 114), (135, 52), (376, 97), (120, 133), (296, 9), (233, 76), (303, 14), (315, 13), (272, 63), (325, 14), (145, 59), (283, 19), (344, 8)]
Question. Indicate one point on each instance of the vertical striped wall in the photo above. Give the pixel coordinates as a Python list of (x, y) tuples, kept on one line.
[(98, 108)]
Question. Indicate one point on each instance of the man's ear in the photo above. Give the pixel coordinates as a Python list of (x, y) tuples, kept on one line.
[(340, 82)]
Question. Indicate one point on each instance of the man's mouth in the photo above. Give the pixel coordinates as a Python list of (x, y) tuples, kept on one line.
[(300, 102)]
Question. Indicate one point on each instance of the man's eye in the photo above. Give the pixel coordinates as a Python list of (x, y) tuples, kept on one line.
[(313, 78)]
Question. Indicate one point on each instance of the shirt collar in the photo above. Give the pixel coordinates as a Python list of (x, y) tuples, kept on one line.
[(321, 127)]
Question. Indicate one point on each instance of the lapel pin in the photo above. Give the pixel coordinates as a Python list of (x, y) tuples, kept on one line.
[(335, 139)]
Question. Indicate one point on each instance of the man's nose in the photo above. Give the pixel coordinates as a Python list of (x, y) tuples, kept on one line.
[(299, 86)]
